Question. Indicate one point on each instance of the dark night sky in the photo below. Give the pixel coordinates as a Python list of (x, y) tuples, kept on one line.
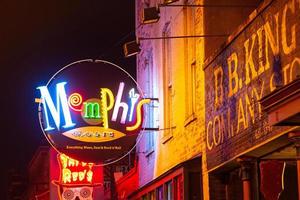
[(36, 39)]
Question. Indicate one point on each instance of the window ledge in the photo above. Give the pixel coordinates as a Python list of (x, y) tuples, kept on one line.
[(149, 152), (190, 119), (167, 138)]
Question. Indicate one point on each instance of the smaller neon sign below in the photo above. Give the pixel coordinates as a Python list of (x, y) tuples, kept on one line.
[(89, 108), (74, 171)]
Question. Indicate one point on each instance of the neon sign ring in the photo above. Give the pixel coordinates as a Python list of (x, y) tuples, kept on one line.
[(92, 111)]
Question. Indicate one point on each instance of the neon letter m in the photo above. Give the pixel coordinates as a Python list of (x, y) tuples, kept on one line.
[(61, 102), (91, 110)]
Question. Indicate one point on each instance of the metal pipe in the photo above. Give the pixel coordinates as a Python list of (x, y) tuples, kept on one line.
[(246, 190), (208, 6), (183, 36)]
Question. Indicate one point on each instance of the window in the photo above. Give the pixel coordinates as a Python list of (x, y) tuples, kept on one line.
[(190, 57), (189, 29), (167, 81), (172, 188), (160, 193), (152, 107), (151, 195), (178, 188), (169, 195), (149, 140), (144, 197), (190, 91)]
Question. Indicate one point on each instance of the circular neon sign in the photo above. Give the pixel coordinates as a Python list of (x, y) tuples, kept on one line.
[(92, 111)]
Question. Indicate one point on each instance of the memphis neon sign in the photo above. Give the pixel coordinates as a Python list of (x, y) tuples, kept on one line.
[(93, 111)]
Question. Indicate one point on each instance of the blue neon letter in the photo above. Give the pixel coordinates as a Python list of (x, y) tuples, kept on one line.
[(133, 98), (61, 99)]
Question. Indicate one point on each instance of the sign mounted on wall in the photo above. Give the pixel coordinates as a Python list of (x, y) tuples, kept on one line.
[(91, 111), (259, 59)]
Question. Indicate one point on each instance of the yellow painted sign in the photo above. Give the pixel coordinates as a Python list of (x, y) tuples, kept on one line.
[(264, 56)]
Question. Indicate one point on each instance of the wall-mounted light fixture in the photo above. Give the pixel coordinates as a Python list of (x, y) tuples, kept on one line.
[(169, 1), (150, 15), (131, 48)]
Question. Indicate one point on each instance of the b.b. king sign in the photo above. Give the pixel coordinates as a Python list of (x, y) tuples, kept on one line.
[(91, 111)]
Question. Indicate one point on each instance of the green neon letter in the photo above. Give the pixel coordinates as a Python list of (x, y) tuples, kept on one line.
[(91, 110)]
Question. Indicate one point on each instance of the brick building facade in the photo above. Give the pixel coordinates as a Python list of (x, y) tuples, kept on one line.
[(211, 67), (243, 149)]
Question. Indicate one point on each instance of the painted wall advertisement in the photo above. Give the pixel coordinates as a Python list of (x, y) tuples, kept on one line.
[(91, 111), (264, 56)]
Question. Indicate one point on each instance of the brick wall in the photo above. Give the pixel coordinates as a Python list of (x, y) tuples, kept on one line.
[(187, 133), (236, 81)]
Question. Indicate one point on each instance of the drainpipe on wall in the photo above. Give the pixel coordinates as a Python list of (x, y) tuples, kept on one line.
[(245, 163)]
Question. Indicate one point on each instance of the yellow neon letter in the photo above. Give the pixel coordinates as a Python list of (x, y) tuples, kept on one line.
[(71, 162), (82, 175), (66, 176), (89, 176), (64, 160), (74, 176), (139, 117), (105, 106)]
